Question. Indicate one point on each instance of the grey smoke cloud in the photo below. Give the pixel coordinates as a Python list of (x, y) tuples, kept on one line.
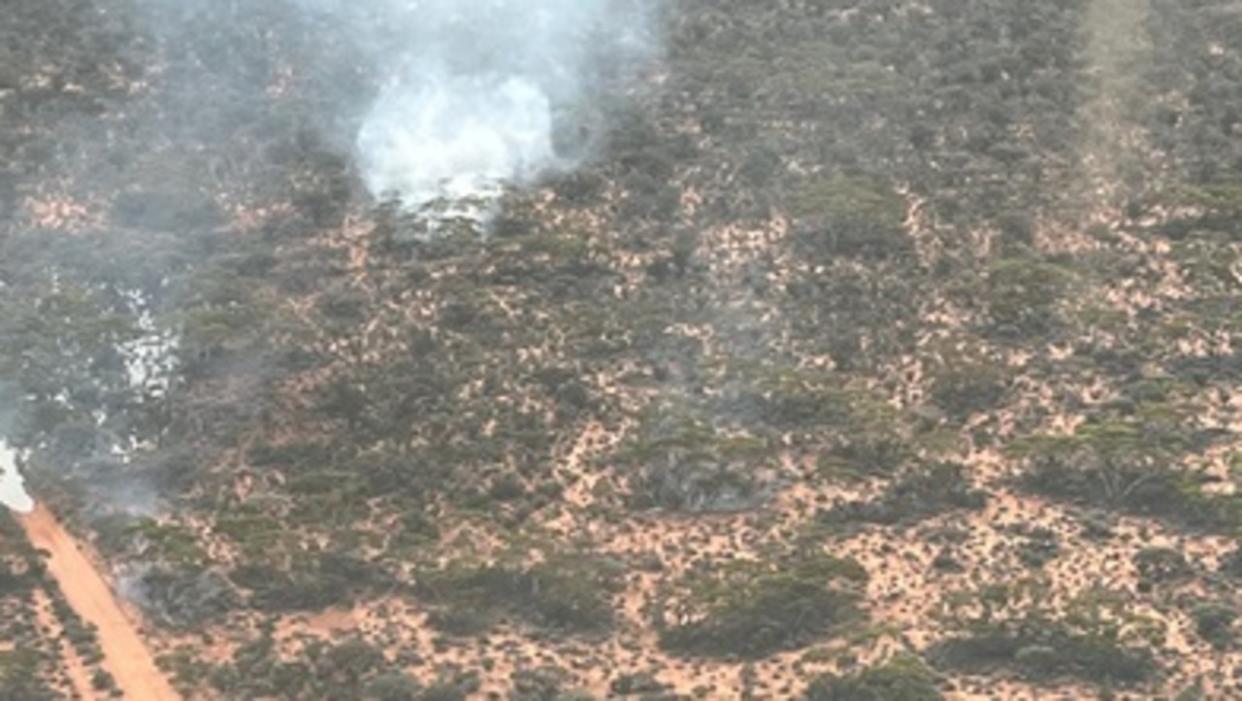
[(458, 97), (480, 93)]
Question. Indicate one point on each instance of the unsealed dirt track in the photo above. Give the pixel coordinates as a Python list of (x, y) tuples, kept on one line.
[(125, 654)]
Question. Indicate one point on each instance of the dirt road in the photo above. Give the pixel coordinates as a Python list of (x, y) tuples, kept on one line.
[(125, 655)]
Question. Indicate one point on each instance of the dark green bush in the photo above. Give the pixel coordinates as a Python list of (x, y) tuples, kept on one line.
[(1215, 206), (539, 684), (1214, 623), (311, 582), (965, 388), (1130, 464), (683, 465), (852, 216), (901, 679), (351, 661), (393, 687), (922, 493), (868, 454), (1157, 565), (1231, 563), (567, 593), (753, 610), (101, 680), (19, 677), (1022, 296), (1135, 488), (1045, 651), (1038, 547), (780, 614)]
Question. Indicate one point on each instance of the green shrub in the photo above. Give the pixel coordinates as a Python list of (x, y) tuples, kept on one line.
[(753, 610), (538, 684), (170, 543), (1022, 295), (311, 582), (852, 216), (1231, 563), (922, 493), (681, 464), (351, 661), (1135, 488), (1216, 206), (1043, 650), (101, 680), (1129, 465), (779, 614), (566, 592), (393, 687), (457, 687), (1156, 565), (867, 453), (19, 678), (965, 388), (1038, 546), (1214, 623), (900, 679)]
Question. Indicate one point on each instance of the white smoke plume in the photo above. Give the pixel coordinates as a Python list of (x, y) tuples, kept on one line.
[(456, 137), (463, 97), (12, 488), (13, 492), (482, 93)]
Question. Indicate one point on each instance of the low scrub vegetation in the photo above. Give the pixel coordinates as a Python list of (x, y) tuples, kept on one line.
[(921, 493), (754, 609), (1044, 650), (1130, 465), (567, 593), (900, 679)]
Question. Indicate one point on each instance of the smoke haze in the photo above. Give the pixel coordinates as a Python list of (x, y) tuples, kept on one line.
[(475, 94), (12, 487)]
